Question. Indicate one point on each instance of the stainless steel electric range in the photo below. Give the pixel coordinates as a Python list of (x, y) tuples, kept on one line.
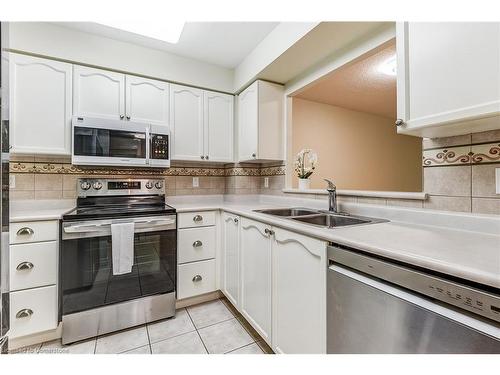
[(94, 301)]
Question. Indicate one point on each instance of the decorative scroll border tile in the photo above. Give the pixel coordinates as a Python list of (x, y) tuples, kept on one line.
[(462, 155), (57, 168)]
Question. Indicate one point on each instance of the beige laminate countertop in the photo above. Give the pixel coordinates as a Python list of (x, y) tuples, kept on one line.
[(470, 255)]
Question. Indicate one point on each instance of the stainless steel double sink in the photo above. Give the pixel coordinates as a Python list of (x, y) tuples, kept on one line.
[(320, 218)]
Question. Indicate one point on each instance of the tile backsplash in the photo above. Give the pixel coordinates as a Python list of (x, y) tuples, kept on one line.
[(459, 172), (459, 175), (55, 177)]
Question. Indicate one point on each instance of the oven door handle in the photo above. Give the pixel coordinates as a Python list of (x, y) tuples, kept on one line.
[(99, 227)]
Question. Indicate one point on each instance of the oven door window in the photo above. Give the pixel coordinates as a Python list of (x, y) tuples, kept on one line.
[(109, 143), (87, 278)]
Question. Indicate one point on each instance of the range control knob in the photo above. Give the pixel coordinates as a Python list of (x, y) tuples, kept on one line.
[(149, 185), (158, 184), (97, 185), (85, 185)]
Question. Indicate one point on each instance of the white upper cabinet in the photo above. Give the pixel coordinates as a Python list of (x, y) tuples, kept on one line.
[(146, 100), (255, 253), (40, 104), (299, 293), (98, 93), (448, 77), (186, 123), (201, 124), (218, 129), (231, 257), (260, 122)]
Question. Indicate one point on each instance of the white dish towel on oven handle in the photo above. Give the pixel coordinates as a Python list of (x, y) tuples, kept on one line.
[(122, 247)]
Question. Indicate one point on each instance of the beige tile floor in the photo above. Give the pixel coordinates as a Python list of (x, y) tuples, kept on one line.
[(214, 327)]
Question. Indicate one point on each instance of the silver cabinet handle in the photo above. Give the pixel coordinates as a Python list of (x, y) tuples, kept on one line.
[(399, 122), (269, 232), (197, 278), (254, 155), (206, 157), (235, 220), (122, 117), (197, 218), (128, 117), (202, 157), (24, 266), (197, 243), (25, 231), (24, 313)]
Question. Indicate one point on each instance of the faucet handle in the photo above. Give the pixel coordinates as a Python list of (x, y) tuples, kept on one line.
[(331, 185)]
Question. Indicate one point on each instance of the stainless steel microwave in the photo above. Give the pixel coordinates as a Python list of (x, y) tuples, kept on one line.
[(105, 142)]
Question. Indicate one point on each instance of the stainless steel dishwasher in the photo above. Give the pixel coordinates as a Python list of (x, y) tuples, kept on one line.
[(379, 306)]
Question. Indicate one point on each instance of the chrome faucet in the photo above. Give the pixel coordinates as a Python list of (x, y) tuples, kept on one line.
[(332, 196)]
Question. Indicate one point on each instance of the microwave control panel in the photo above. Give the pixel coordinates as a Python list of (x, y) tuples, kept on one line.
[(159, 146)]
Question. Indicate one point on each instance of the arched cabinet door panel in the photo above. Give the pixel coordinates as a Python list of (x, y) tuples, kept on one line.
[(98, 93), (40, 105), (147, 100)]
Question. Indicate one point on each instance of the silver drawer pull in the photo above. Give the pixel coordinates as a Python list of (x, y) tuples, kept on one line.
[(24, 313), (197, 218), (197, 278), (197, 243), (235, 220), (24, 266), (25, 231)]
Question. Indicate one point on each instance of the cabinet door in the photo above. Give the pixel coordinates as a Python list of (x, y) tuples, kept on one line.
[(448, 72), (40, 105), (248, 123), (98, 93), (146, 100), (299, 293), (231, 257), (186, 123), (255, 250), (218, 119)]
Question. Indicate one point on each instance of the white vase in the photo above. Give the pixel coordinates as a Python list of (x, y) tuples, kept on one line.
[(304, 183)]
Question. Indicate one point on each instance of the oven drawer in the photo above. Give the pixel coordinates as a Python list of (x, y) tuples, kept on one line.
[(196, 278), (34, 231), (33, 311), (195, 244), (33, 265), (196, 219)]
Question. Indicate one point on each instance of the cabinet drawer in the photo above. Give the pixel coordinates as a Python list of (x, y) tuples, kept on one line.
[(34, 231), (33, 265), (196, 278), (196, 219), (33, 311), (195, 244)]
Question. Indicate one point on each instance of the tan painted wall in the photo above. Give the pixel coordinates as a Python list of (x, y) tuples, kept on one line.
[(356, 150)]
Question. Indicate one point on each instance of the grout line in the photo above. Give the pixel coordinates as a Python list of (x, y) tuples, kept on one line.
[(149, 339), (196, 329), (244, 346)]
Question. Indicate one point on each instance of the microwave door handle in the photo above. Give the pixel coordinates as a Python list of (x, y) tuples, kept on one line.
[(148, 145)]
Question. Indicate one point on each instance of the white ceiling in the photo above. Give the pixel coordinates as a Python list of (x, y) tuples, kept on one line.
[(359, 86), (224, 44)]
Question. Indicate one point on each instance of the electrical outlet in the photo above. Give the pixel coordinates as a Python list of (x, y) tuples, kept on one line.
[(266, 182), (196, 182), (12, 181), (497, 173)]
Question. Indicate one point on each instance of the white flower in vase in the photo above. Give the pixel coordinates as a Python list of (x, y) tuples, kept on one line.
[(305, 164)]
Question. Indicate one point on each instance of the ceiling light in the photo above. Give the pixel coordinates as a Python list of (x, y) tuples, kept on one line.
[(167, 32), (389, 66)]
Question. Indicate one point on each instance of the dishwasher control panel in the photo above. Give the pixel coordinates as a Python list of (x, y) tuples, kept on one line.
[(463, 296)]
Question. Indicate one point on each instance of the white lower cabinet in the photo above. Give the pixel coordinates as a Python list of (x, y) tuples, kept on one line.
[(196, 278), (299, 293), (231, 258), (33, 311), (255, 277)]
